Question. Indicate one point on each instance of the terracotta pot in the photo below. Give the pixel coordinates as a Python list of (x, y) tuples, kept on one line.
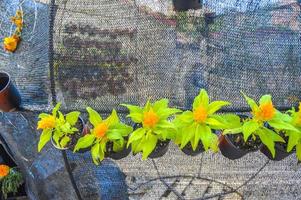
[(229, 150), (280, 152), (184, 5), (74, 139), (10, 98), (189, 151), (160, 149)]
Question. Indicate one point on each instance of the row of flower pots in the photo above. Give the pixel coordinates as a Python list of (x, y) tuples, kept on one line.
[(275, 134)]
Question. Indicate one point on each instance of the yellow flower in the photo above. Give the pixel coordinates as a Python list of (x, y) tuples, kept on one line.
[(4, 171), (266, 112), (200, 114), (18, 22), (150, 119), (11, 43), (101, 130), (47, 122)]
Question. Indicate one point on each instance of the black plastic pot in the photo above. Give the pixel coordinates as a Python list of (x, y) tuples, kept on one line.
[(189, 151), (10, 99), (74, 138), (117, 155), (184, 5), (229, 150), (280, 152), (160, 149)]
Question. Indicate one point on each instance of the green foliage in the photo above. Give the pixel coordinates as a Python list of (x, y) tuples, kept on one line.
[(104, 131), (198, 125), (64, 127), (11, 182), (263, 114), (155, 125)]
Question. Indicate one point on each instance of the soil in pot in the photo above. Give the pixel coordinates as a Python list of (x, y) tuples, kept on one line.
[(160, 149), (233, 146), (189, 151), (117, 155), (280, 150)]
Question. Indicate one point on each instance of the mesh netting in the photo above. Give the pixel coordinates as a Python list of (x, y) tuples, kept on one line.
[(107, 52)]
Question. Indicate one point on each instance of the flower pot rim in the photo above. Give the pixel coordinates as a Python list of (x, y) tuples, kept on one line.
[(9, 81), (66, 148)]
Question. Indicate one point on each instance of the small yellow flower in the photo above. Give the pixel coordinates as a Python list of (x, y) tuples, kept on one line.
[(200, 115), (101, 130), (4, 171), (266, 112), (11, 43), (150, 119), (18, 22), (46, 123)]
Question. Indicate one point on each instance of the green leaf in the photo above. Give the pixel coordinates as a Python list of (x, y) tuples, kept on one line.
[(44, 138), (56, 109), (248, 128), (43, 115), (84, 142), (56, 136), (205, 135), (298, 151), (231, 121), (274, 136), (201, 100), (216, 105), (187, 134), (251, 102), (267, 140), (149, 145), (95, 153), (147, 106), (66, 128), (64, 141), (265, 99), (184, 118), (233, 131), (136, 117), (133, 109), (213, 122), (118, 146), (136, 135), (281, 125), (167, 112), (94, 117), (72, 117), (123, 129), (114, 135), (293, 139), (113, 118), (161, 104)]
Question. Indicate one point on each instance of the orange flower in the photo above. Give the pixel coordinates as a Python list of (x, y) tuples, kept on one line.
[(200, 115), (4, 171), (266, 112), (150, 119), (101, 130), (47, 122), (11, 43)]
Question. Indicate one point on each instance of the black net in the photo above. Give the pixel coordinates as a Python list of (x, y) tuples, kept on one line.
[(106, 52), (110, 52)]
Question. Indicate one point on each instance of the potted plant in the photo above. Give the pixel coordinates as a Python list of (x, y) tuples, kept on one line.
[(107, 138), (154, 129), (184, 5), (10, 180), (10, 98), (254, 130), (63, 131), (292, 137), (195, 129)]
